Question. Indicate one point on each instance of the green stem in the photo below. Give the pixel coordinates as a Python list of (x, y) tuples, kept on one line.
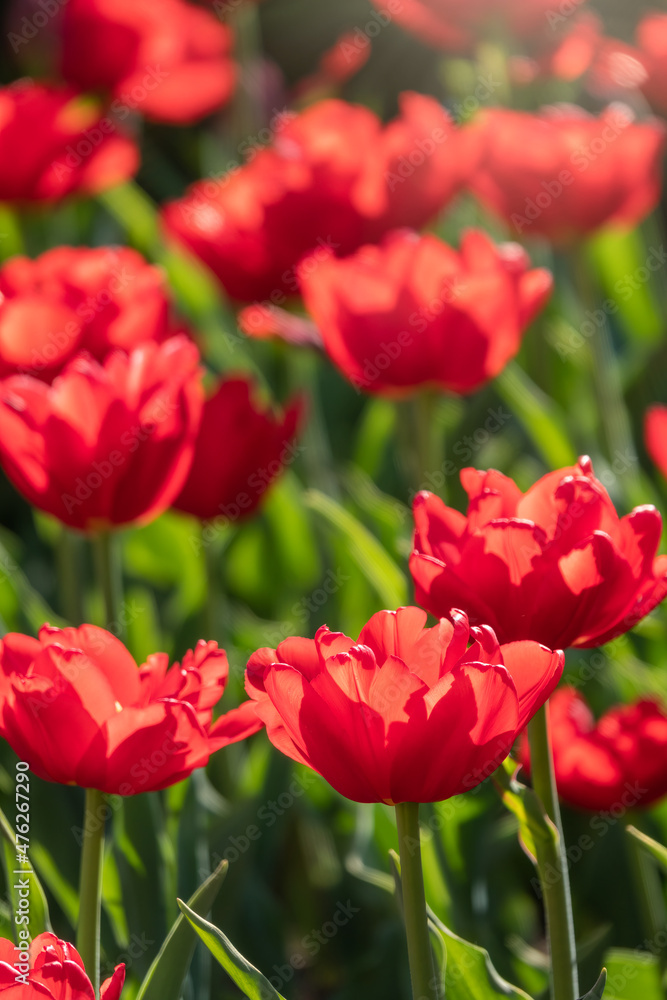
[(109, 577), (213, 609), (69, 576), (90, 886), (422, 972), (555, 890)]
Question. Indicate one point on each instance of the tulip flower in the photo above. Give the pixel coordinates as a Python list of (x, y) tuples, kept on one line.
[(413, 312), (106, 444), (564, 173), (53, 971), (555, 564), (617, 762), (74, 298), (241, 448), (334, 178), (406, 713), (76, 707), (53, 143), (655, 435), (169, 61)]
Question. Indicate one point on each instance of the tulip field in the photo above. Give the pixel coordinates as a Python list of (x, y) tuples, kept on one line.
[(333, 477)]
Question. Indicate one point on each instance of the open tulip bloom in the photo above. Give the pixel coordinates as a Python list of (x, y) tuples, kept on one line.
[(76, 707), (405, 713), (53, 970), (555, 564)]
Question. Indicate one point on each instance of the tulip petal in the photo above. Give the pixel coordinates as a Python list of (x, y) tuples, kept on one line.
[(535, 671)]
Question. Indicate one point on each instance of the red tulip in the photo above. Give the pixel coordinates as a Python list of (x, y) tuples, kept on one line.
[(75, 706), (168, 61), (406, 714), (618, 762), (333, 179), (555, 564), (52, 970), (655, 433), (105, 444), (53, 144), (563, 174), (73, 298), (241, 448), (414, 312), (652, 40)]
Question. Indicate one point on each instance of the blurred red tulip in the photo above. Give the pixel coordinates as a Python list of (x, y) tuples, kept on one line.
[(169, 61), (563, 173), (414, 312), (619, 762), (55, 143), (555, 564), (107, 444), (75, 706), (655, 435), (53, 970), (241, 448), (652, 41), (333, 179), (74, 298), (406, 714)]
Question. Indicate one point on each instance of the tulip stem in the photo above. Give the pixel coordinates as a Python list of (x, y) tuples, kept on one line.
[(110, 579), (69, 576), (90, 886), (422, 972), (555, 890)]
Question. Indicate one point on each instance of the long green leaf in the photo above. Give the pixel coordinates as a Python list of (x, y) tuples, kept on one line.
[(248, 979), (655, 849), (541, 418), (165, 977), (374, 562), (17, 873)]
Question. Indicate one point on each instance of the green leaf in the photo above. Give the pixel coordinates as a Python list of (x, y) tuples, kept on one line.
[(38, 912), (655, 849), (596, 992), (632, 975), (536, 831), (248, 979), (165, 977), (542, 420), (374, 562), (469, 972)]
